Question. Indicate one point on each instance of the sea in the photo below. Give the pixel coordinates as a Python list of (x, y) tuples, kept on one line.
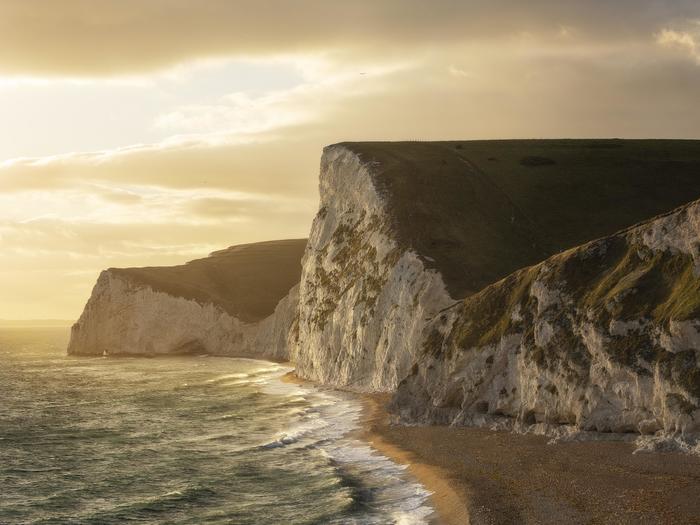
[(183, 440)]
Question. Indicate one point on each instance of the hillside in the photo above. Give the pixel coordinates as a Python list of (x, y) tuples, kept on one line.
[(479, 210), (404, 229), (247, 280), (240, 301), (604, 336)]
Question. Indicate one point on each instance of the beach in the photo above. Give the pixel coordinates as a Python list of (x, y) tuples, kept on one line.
[(481, 476), (478, 476)]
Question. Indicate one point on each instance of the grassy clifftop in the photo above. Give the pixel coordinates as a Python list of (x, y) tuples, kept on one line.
[(246, 280), (479, 210)]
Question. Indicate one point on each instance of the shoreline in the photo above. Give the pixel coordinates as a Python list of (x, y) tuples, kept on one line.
[(448, 501), (480, 476)]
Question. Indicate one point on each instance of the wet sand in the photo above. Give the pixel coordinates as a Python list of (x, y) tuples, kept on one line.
[(448, 498), (480, 476)]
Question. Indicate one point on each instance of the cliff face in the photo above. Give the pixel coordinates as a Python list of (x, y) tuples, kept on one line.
[(184, 309), (437, 270), (603, 337), (363, 297), (406, 229)]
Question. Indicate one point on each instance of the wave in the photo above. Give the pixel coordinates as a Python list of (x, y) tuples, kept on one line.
[(376, 483), (18, 470), (310, 429), (147, 506), (226, 376), (235, 441)]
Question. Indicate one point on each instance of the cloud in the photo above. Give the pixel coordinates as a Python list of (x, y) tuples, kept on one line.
[(239, 143), (51, 261), (239, 166), (118, 37), (238, 113), (682, 40), (120, 196), (227, 163), (265, 143)]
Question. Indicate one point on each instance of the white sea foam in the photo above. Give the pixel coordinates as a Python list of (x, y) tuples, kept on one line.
[(227, 376), (194, 448), (327, 426)]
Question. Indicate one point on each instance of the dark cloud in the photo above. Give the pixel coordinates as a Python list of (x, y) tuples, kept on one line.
[(98, 37)]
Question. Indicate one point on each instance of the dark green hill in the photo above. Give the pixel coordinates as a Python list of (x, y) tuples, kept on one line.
[(246, 280), (479, 210)]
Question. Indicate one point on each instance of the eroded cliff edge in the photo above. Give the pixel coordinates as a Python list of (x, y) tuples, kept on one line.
[(603, 337), (363, 296), (240, 301)]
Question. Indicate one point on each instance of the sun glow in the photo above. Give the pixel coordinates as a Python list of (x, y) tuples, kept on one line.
[(116, 131)]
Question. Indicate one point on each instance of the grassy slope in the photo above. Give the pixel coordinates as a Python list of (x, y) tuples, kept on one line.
[(247, 280), (477, 213), (613, 278)]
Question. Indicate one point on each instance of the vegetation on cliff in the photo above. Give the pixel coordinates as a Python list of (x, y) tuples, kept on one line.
[(479, 210), (603, 336), (247, 280)]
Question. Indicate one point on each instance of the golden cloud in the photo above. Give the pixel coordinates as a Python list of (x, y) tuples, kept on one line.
[(112, 37)]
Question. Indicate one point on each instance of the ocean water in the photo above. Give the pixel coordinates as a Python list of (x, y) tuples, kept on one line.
[(182, 440)]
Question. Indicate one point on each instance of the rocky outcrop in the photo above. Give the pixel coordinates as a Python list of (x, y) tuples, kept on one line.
[(241, 301), (603, 337)]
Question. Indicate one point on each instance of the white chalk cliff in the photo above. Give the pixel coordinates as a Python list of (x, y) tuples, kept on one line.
[(363, 298), (436, 271), (156, 311), (602, 337)]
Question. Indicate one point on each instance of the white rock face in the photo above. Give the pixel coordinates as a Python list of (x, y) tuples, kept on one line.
[(363, 299), (605, 337), (601, 337), (126, 318), (500, 385), (678, 231)]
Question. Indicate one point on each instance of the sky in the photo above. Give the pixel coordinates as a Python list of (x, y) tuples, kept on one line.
[(152, 132)]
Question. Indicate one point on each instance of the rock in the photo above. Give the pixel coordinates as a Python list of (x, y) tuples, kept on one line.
[(363, 298), (605, 336), (188, 310), (649, 426)]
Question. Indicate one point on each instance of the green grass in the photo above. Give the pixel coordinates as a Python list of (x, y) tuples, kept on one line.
[(609, 279), (479, 210), (246, 280)]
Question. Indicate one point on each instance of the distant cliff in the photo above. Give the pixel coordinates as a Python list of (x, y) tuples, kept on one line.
[(239, 301)]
